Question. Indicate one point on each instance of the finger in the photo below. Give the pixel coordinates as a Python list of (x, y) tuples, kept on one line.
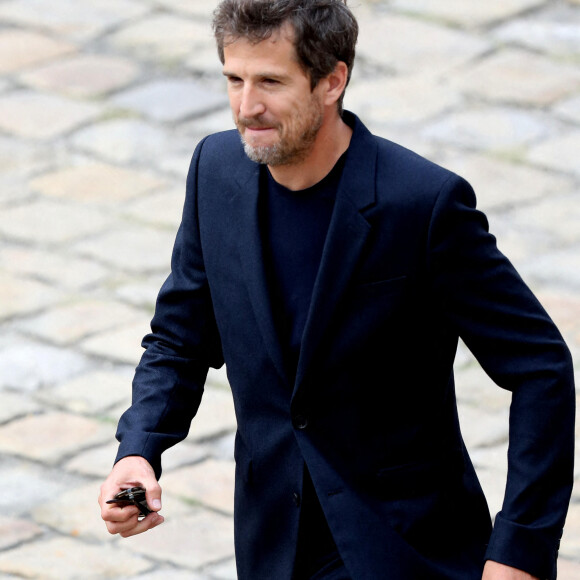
[(116, 514), (133, 525), (151, 521)]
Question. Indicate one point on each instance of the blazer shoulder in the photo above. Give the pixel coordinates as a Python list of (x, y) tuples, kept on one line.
[(220, 146), (407, 163), (409, 178)]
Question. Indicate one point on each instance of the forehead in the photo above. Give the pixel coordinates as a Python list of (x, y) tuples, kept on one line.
[(277, 51)]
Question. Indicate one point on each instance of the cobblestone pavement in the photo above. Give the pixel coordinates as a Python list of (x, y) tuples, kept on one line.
[(101, 105)]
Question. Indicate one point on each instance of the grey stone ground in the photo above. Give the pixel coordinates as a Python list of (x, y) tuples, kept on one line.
[(101, 105)]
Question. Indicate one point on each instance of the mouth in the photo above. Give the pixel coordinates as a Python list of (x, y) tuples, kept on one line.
[(258, 133), (257, 128)]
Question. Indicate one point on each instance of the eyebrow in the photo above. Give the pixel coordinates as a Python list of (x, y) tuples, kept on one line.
[(260, 75)]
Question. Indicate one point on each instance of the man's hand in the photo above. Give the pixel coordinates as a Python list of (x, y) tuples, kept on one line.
[(129, 472), (495, 571)]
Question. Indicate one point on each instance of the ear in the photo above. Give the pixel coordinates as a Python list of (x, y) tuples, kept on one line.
[(335, 83)]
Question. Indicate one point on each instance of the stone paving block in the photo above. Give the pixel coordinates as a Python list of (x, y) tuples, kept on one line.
[(90, 393), (141, 292), (519, 77), (171, 99), (96, 462), (85, 75), (61, 271), (563, 308), (74, 20), (123, 345), (475, 388), (491, 467), (177, 161), (38, 116), (384, 41), (70, 559), (221, 120), (399, 100), (520, 246), (493, 128), (168, 574), (126, 141), (203, 9), (559, 153), (16, 405), (493, 484), (163, 37), (466, 14), (205, 61), (98, 183), (490, 458), (162, 209), (22, 296), (568, 569), (73, 321), (215, 416), (210, 483), (135, 249), (184, 453), (19, 158), (499, 184), (561, 210), (60, 435), (556, 268), (225, 571), (26, 366), (571, 538), (191, 541), (15, 531), (38, 484), (75, 513), (569, 109), (20, 49), (218, 378), (47, 222), (556, 33), (223, 447), (481, 428)]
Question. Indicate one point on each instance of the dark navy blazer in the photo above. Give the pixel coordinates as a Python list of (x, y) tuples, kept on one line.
[(408, 267)]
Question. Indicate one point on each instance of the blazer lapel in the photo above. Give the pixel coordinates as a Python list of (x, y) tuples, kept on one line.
[(246, 212), (346, 238)]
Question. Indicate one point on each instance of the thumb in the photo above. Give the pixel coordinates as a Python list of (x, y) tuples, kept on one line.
[(153, 495)]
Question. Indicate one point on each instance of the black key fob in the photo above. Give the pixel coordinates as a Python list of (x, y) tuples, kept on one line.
[(132, 496)]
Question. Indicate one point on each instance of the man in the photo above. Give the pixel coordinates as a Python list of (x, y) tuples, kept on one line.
[(334, 272)]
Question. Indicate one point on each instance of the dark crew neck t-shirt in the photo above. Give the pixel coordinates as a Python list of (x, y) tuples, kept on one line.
[(294, 228)]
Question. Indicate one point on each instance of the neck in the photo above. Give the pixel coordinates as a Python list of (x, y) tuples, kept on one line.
[(331, 142)]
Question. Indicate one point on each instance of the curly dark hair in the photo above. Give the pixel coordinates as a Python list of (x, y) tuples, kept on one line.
[(325, 31)]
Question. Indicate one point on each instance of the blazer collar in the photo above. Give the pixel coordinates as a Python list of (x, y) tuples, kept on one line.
[(345, 240)]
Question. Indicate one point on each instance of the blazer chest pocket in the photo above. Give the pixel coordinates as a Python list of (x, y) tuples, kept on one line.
[(381, 288)]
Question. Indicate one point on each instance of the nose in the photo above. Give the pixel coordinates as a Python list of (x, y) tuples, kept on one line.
[(251, 103)]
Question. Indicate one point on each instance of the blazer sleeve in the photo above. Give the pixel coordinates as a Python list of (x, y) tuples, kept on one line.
[(183, 344), (502, 323)]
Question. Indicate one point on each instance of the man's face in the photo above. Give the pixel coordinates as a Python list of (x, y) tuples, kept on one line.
[(275, 110)]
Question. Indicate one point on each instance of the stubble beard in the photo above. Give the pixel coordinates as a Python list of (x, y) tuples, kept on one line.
[(292, 147)]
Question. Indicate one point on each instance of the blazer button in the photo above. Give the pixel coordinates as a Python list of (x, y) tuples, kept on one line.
[(296, 498), (300, 422)]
